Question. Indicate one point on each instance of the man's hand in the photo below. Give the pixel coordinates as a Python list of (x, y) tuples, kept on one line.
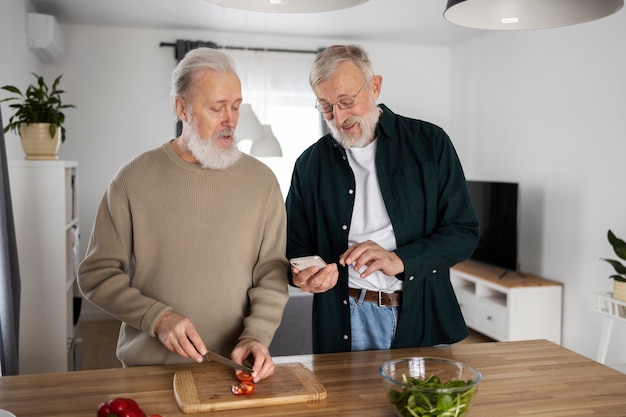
[(374, 257), (263, 365), (178, 334), (314, 279)]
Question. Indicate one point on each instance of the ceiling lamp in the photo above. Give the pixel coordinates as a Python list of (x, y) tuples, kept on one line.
[(248, 126), (266, 146), (527, 14), (264, 142), (289, 6)]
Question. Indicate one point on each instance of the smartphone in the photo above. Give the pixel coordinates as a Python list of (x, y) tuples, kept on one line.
[(307, 262)]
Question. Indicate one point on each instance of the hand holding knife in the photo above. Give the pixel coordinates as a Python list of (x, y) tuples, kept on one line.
[(212, 356)]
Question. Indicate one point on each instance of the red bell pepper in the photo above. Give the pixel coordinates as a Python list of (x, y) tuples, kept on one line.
[(120, 407)]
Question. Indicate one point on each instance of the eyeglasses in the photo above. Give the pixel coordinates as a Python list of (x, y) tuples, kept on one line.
[(343, 104)]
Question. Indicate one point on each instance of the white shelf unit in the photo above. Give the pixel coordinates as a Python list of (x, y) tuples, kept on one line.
[(509, 307), (45, 209)]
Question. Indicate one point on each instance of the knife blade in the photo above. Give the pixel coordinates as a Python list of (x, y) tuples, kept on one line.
[(212, 356)]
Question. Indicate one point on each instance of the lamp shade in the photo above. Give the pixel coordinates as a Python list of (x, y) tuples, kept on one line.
[(248, 126), (527, 14), (267, 146), (289, 6)]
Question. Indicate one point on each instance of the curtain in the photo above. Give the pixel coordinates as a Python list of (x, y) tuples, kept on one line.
[(10, 284), (183, 46)]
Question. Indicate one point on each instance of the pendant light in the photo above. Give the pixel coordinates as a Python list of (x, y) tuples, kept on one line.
[(264, 142), (267, 145), (527, 14), (289, 6), (248, 126)]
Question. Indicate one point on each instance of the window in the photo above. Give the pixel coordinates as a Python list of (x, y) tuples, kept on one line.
[(276, 84)]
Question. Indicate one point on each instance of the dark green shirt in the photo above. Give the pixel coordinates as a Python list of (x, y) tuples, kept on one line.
[(424, 191)]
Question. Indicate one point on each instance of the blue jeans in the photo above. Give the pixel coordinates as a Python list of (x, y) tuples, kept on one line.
[(373, 327)]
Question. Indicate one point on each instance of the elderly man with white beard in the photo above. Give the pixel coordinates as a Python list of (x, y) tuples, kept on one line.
[(188, 244)]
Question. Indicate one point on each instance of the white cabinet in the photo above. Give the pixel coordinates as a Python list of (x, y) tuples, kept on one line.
[(45, 210), (509, 307)]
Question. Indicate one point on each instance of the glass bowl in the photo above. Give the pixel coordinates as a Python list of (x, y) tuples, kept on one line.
[(423, 386)]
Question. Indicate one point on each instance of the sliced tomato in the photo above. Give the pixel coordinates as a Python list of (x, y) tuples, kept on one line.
[(247, 387), (245, 376), (244, 388)]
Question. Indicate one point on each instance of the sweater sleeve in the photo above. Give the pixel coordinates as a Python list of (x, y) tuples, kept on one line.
[(104, 273)]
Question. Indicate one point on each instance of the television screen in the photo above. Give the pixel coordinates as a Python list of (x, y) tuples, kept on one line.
[(496, 206)]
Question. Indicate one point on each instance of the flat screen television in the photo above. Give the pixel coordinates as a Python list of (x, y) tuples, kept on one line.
[(496, 206)]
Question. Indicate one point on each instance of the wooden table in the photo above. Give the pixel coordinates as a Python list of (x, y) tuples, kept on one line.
[(529, 378)]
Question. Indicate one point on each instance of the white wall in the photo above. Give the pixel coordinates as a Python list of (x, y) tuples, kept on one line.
[(119, 79), (17, 61), (547, 108)]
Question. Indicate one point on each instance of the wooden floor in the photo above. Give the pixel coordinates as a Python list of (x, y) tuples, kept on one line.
[(100, 340)]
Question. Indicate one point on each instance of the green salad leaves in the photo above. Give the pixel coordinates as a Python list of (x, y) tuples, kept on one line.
[(440, 400)]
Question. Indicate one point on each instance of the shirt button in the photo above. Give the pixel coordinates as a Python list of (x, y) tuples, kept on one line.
[(345, 301), (345, 337), (351, 191), (344, 227), (411, 278), (434, 271)]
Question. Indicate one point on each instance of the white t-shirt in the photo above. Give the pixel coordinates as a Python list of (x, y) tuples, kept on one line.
[(370, 220)]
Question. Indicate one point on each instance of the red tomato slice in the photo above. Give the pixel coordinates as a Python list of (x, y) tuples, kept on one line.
[(244, 388), (247, 387), (245, 376)]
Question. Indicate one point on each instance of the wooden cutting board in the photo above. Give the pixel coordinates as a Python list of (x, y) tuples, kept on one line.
[(208, 388)]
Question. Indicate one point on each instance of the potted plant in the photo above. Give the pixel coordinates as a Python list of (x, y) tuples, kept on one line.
[(38, 117), (619, 277)]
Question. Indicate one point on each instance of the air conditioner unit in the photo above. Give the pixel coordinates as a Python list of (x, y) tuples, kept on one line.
[(45, 37)]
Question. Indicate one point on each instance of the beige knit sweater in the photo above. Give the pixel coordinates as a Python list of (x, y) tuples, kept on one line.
[(208, 244)]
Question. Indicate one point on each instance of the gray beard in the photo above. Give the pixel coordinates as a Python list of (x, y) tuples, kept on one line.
[(211, 156), (368, 129)]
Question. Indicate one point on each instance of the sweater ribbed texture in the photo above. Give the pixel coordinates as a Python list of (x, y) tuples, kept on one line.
[(208, 244)]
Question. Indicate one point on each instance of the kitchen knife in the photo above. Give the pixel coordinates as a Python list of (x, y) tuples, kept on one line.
[(212, 356)]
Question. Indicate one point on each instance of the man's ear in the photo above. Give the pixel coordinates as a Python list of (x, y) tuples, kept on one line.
[(377, 82), (180, 109)]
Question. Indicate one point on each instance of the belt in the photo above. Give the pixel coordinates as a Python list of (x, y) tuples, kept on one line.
[(381, 298)]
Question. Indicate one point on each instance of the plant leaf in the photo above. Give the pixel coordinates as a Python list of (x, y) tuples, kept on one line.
[(618, 278), (12, 89), (619, 268), (619, 246)]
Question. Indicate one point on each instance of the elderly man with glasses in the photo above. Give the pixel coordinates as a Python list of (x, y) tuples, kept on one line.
[(382, 199)]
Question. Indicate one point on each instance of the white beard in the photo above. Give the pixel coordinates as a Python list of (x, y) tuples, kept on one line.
[(208, 154), (368, 129)]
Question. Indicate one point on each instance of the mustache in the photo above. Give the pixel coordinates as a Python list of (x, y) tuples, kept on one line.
[(224, 133), (348, 122)]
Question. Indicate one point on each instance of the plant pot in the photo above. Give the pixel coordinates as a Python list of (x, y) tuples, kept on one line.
[(619, 290), (619, 293), (37, 143)]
